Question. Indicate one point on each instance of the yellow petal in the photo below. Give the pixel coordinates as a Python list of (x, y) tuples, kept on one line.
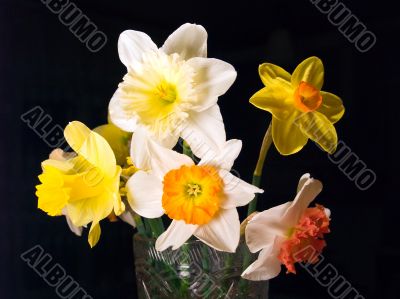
[(332, 107), (119, 206), (117, 139), (52, 197), (275, 99), (311, 71), (94, 234), (51, 201), (65, 166), (318, 128), (76, 133), (91, 146), (287, 137), (270, 72), (86, 210)]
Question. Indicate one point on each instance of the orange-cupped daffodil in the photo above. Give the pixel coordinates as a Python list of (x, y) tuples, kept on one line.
[(84, 187), (201, 200), (300, 110)]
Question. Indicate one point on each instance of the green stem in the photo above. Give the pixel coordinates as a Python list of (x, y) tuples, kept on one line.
[(205, 258), (139, 224), (186, 150), (266, 144), (228, 271), (243, 283), (138, 220), (156, 225)]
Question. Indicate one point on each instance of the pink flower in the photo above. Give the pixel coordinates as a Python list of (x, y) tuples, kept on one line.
[(285, 233)]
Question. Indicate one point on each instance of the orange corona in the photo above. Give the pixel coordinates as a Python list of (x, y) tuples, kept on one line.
[(192, 194), (309, 231), (307, 98)]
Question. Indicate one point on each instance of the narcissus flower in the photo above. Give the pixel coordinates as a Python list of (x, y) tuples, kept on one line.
[(85, 187), (172, 91), (200, 199), (300, 110), (288, 233)]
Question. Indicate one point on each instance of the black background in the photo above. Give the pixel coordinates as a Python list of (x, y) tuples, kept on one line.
[(43, 63)]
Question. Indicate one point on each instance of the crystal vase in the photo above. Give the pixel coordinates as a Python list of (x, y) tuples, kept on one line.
[(195, 270)]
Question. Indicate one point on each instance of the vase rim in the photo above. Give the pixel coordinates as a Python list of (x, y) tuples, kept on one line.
[(137, 237)]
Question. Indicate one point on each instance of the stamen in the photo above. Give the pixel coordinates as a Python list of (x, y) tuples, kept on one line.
[(193, 189), (167, 92)]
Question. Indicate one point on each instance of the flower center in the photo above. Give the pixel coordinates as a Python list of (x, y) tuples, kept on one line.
[(167, 93), (159, 92), (305, 241), (192, 194), (193, 189), (307, 98)]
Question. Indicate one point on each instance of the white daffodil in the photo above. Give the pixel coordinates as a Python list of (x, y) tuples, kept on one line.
[(288, 233), (172, 91), (200, 199)]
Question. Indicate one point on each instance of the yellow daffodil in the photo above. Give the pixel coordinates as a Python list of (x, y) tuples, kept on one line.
[(172, 91), (300, 110), (84, 187)]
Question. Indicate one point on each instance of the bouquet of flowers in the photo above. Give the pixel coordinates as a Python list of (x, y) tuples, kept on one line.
[(132, 168)]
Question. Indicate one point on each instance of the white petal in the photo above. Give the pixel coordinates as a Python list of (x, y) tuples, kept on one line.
[(170, 140), (306, 195), (131, 46), (225, 158), (213, 77), (128, 218), (176, 235), (237, 192), (222, 232), (264, 227), (188, 41), (140, 150), (304, 178), (145, 194), (266, 266), (120, 114), (59, 155), (147, 154), (77, 230), (205, 132), (327, 213)]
